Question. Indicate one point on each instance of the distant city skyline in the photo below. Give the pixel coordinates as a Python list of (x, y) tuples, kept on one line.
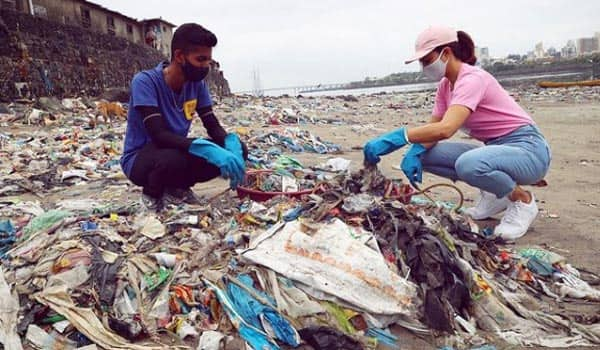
[(580, 45), (332, 41)]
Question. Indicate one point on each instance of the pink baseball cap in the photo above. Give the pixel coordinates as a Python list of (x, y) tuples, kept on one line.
[(431, 38)]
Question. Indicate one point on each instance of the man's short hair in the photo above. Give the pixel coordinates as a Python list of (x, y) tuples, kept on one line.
[(191, 34)]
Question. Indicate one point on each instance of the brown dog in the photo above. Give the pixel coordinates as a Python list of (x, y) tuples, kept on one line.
[(108, 111)]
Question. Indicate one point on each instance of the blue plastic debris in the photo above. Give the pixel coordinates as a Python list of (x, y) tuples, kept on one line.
[(255, 337), (7, 237), (259, 315), (88, 226), (383, 336)]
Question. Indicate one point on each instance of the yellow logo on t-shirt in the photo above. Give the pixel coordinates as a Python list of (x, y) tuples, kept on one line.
[(189, 108)]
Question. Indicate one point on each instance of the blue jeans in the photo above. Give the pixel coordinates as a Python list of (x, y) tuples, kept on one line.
[(519, 158)]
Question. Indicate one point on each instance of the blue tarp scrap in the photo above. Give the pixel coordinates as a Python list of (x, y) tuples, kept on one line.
[(259, 315)]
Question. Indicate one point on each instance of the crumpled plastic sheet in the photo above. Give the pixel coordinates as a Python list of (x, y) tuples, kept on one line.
[(290, 299), (210, 340), (258, 314), (9, 309), (103, 273), (254, 337), (347, 269), (44, 221), (524, 327), (85, 320)]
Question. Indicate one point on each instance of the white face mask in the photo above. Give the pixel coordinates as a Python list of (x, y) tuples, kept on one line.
[(436, 70)]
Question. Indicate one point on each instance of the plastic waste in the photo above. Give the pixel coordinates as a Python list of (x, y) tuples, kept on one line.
[(88, 226), (44, 221), (259, 315), (325, 338), (383, 336), (160, 310), (336, 164), (165, 259), (154, 280), (359, 203), (255, 337), (369, 285), (70, 259), (151, 227), (9, 310), (541, 254), (69, 174), (72, 278), (210, 340), (42, 340), (540, 267), (184, 330), (127, 328), (7, 237)]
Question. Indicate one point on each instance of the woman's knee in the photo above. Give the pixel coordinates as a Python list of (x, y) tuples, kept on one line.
[(470, 165)]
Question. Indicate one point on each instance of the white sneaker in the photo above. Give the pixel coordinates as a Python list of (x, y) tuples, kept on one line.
[(516, 220), (487, 205)]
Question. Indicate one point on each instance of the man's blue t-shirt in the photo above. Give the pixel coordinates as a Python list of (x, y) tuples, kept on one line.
[(148, 88)]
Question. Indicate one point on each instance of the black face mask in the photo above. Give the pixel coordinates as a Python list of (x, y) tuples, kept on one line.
[(192, 73)]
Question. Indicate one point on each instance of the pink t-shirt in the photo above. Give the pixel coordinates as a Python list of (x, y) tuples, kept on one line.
[(494, 112)]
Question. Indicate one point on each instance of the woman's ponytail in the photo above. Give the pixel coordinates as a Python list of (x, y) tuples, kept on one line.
[(464, 48)]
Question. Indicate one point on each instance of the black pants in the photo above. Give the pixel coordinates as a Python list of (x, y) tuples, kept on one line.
[(156, 169)]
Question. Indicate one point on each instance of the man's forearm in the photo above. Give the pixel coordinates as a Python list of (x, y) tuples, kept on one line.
[(213, 127)]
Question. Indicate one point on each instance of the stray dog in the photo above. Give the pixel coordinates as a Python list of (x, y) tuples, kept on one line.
[(108, 111)]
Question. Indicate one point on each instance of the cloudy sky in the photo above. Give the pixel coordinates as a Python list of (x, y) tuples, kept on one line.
[(295, 43)]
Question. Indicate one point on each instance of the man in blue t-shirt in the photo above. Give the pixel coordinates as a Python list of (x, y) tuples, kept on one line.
[(158, 155)]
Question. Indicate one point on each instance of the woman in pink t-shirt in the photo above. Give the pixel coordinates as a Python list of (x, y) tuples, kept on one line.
[(514, 153)]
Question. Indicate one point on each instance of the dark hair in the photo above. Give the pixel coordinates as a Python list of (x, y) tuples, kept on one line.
[(463, 49), (191, 34)]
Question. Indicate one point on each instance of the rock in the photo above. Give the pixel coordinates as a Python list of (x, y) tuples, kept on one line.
[(349, 98)]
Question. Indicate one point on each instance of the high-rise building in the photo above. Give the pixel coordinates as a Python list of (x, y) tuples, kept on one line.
[(539, 50), (569, 50), (483, 55), (587, 45), (552, 52)]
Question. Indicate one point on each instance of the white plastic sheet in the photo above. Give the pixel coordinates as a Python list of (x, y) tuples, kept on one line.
[(9, 308), (335, 262)]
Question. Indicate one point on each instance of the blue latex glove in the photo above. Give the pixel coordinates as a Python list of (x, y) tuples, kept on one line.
[(411, 164), (231, 166), (234, 145), (384, 144)]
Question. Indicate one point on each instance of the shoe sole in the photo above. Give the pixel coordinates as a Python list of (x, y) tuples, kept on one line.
[(490, 217)]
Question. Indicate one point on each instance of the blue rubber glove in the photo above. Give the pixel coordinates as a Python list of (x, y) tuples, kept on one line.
[(384, 144), (411, 164), (234, 145), (231, 166)]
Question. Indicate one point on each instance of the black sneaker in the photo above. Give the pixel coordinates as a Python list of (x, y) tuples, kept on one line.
[(150, 203), (177, 196)]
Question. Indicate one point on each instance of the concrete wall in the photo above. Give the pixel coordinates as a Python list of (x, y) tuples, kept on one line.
[(61, 60), (51, 58), (163, 37)]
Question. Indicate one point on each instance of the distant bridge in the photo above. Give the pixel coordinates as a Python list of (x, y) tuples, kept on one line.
[(296, 90)]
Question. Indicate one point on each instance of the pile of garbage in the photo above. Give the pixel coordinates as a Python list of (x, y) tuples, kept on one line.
[(333, 269), (83, 266), (563, 95), (265, 148)]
